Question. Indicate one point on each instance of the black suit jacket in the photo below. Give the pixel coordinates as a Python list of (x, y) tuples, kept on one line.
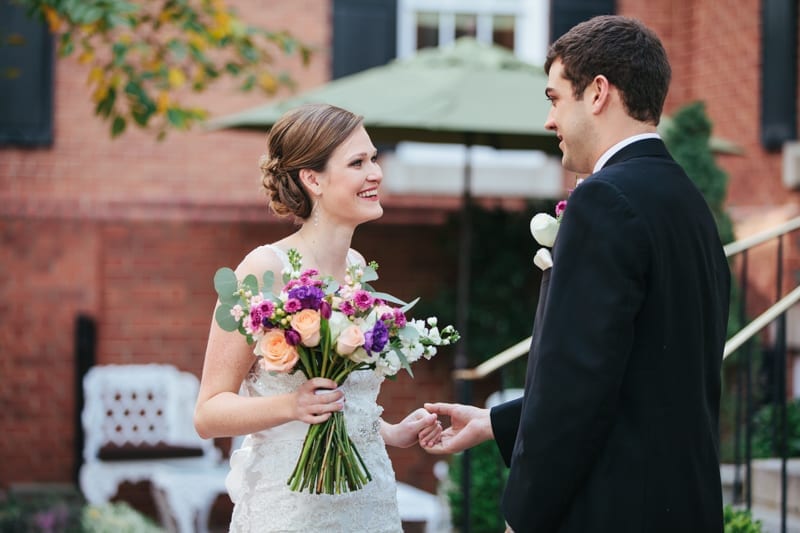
[(618, 428)]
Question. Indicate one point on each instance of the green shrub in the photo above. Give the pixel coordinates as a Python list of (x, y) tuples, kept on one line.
[(763, 421), (66, 513), (115, 518), (740, 521), (488, 477)]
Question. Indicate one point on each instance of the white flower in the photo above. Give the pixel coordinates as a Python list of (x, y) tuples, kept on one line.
[(432, 321), (543, 259), (360, 355), (433, 335), (388, 365), (430, 351), (413, 351), (544, 228), (337, 322)]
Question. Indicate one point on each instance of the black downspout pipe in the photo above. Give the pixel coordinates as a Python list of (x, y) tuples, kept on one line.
[(464, 387), (85, 342)]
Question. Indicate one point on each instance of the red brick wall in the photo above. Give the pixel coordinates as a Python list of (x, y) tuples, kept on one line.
[(130, 232)]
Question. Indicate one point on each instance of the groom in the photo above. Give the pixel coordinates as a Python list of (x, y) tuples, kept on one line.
[(618, 427)]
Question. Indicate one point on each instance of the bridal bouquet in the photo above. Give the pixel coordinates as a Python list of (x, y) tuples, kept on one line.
[(325, 329)]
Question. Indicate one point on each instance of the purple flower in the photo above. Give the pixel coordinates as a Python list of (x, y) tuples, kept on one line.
[(292, 305), (292, 337), (310, 297), (363, 299), (325, 309), (376, 338)]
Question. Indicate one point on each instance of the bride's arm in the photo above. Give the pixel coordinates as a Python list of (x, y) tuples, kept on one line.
[(221, 412), (418, 426)]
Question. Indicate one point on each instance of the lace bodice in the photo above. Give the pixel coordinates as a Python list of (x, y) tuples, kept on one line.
[(260, 468)]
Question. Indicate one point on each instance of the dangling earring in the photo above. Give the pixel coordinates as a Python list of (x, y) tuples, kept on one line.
[(315, 211)]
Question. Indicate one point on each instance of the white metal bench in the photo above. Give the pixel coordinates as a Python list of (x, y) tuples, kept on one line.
[(136, 420)]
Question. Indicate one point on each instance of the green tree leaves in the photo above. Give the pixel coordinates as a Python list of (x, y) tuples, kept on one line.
[(158, 53)]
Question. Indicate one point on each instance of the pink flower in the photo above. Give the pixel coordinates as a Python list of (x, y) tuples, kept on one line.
[(399, 318), (560, 207), (347, 308), (277, 355), (363, 300), (292, 305), (349, 339), (307, 323)]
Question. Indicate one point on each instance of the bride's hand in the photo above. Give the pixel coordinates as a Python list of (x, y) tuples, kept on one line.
[(316, 399), (418, 425)]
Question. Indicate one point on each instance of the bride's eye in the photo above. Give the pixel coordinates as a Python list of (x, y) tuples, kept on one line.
[(356, 163)]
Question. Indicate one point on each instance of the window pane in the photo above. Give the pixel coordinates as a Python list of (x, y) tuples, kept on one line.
[(427, 30), (466, 25), (503, 31)]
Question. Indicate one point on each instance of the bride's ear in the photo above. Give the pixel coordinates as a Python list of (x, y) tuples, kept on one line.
[(310, 180)]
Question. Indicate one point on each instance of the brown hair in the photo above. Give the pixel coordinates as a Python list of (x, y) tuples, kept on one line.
[(304, 137), (626, 52)]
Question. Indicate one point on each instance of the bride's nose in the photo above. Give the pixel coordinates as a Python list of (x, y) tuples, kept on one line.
[(376, 175)]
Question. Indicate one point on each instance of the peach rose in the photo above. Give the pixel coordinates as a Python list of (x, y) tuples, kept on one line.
[(277, 355), (306, 323), (349, 339)]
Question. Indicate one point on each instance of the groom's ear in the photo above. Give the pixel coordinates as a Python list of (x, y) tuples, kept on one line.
[(599, 93)]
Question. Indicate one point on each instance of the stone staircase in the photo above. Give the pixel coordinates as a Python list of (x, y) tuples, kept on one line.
[(767, 493)]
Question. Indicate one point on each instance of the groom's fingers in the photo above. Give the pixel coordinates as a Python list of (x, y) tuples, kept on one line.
[(440, 408)]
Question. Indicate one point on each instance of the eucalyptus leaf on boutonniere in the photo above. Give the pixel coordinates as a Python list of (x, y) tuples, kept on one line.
[(544, 229)]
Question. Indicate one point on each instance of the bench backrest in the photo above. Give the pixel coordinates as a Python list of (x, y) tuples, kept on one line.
[(140, 408)]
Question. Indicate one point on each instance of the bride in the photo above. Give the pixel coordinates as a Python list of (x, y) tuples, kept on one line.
[(321, 168)]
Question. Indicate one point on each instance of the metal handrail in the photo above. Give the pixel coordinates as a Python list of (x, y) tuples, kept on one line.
[(523, 347)]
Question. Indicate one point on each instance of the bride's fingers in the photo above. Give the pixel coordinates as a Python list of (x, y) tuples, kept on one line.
[(431, 435)]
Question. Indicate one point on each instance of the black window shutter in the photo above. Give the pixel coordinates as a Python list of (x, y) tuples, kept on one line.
[(564, 14), (364, 35), (26, 78), (778, 73)]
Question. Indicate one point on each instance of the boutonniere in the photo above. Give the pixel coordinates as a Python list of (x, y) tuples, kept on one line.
[(544, 228)]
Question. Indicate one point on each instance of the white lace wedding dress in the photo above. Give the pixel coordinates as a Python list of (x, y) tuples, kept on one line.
[(260, 468)]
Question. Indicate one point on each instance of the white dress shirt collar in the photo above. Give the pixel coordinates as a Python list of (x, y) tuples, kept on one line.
[(619, 146)]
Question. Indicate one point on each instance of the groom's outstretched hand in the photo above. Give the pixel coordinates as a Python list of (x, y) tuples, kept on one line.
[(469, 426)]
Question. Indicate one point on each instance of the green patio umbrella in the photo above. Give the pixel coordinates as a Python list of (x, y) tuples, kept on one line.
[(468, 93)]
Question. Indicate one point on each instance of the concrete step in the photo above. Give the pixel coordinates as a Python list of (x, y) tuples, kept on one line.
[(766, 488)]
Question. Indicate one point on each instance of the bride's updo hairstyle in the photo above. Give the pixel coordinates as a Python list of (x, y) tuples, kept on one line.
[(304, 137)]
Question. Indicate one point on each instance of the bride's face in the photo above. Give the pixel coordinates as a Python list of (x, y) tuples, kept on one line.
[(351, 181)]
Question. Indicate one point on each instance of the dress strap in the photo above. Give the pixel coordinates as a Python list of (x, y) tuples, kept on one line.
[(283, 256), (352, 257)]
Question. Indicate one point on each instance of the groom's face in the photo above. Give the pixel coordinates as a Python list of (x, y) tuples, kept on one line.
[(570, 119)]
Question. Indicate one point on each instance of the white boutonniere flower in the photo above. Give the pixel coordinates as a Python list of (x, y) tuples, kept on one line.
[(544, 229), (543, 259)]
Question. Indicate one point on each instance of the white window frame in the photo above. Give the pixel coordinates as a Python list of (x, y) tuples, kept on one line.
[(410, 166), (530, 23)]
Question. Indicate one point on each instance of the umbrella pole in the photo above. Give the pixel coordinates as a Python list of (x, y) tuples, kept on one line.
[(464, 387)]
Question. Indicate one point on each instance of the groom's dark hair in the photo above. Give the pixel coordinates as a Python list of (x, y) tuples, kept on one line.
[(626, 52)]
